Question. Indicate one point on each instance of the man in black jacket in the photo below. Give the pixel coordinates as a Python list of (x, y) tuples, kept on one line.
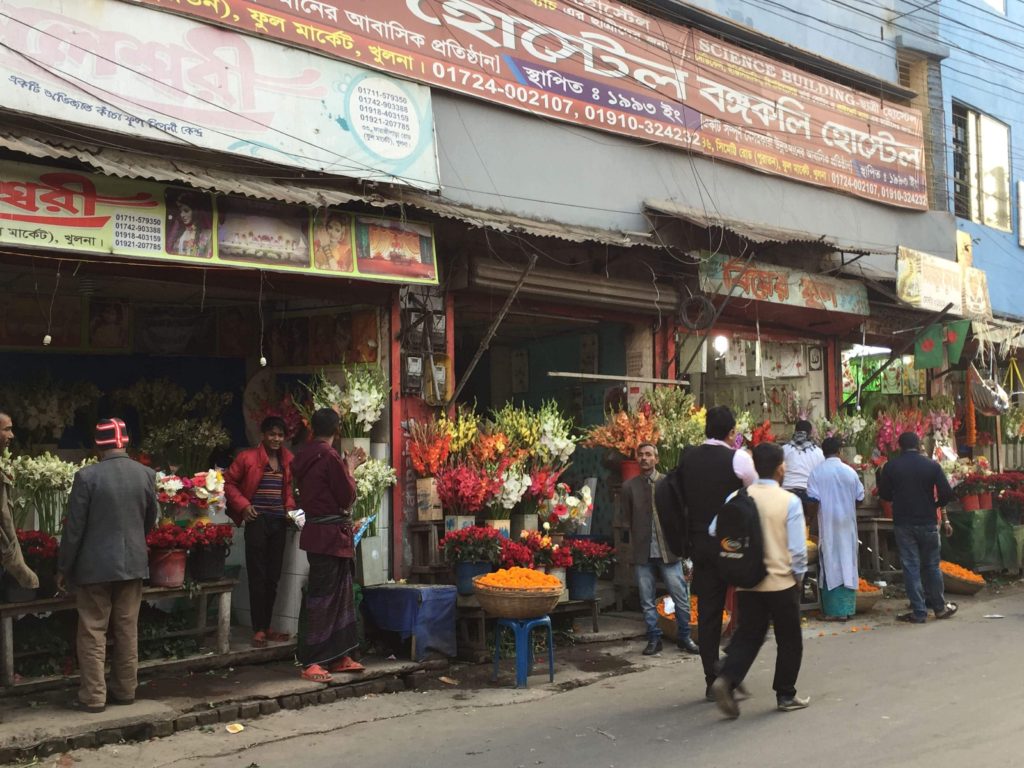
[(917, 487), (687, 500)]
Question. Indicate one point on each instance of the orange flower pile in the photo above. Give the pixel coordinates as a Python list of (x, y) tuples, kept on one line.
[(866, 586), (623, 432), (952, 569), (519, 578), (693, 611)]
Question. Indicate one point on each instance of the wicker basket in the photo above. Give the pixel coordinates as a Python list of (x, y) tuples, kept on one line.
[(867, 600), (516, 603), (958, 586), (668, 626)]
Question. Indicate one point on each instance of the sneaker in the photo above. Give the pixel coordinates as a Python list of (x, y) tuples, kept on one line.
[(947, 612), (911, 618), (653, 646), (793, 703), (721, 689), (688, 646)]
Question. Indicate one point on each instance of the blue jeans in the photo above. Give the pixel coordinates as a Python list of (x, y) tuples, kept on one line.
[(678, 590), (919, 550)]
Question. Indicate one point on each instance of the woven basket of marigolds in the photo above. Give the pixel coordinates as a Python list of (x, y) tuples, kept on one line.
[(517, 593), (667, 621), (867, 595), (960, 581)]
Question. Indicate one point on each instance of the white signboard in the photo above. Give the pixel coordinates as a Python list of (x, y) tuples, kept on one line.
[(929, 282), (141, 72)]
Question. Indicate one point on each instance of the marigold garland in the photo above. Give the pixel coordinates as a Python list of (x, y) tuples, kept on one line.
[(866, 586), (525, 579), (956, 571)]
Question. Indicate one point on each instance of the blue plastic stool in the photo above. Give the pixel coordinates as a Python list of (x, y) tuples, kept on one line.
[(521, 629)]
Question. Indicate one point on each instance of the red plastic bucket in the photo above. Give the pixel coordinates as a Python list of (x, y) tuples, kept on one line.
[(167, 567)]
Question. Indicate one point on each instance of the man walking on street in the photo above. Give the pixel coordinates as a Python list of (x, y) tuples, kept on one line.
[(917, 488), (687, 501), (258, 488), (776, 599), (835, 489), (651, 556), (11, 558), (103, 556)]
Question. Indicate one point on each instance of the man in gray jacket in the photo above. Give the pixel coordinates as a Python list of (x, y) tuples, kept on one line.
[(103, 555)]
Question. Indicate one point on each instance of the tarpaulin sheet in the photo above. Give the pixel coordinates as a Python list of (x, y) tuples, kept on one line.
[(985, 540), (421, 611)]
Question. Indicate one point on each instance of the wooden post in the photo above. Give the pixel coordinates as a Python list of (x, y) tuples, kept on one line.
[(224, 622), (7, 649)]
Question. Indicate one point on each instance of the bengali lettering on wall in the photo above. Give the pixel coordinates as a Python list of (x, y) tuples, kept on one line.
[(745, 279), (613, 68), (137, 71), (57, 209)]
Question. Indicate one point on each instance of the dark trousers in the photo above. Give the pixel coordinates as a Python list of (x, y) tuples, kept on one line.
[(758, 609), (710, 591), (264, 553)]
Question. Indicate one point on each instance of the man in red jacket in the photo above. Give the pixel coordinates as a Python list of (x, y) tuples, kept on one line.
[(258, 487)]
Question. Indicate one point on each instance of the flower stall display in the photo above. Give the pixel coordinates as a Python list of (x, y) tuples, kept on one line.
[(519, 430), (363, 401), (517, 593), (429, 448), (471, 551), (680, 422), (855, 431), (515, 554), (44, 407), (510, 485), (894, 422), (518, 578), (540, 545), (556, 444), (464, 490), (958, 580), (168, 547), (185, 445), (463, 428), (624, 431), (763, 434), (39, 549), (941, 413), (373, 479), (182, 497), (590, 560), (208, 545), (1013, 424), (42, 485)]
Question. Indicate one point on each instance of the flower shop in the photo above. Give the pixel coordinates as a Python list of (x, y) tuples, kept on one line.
[(193, 349)]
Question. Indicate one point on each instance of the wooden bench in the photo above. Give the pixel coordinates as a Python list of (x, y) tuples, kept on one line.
[(200, 592)]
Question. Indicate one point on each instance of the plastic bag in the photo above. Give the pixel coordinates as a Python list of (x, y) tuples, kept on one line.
[(990, 399)]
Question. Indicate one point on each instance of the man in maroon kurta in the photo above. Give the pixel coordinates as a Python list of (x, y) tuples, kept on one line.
[(327, 491)]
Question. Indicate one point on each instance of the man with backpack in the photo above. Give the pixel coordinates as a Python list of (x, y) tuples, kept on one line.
[(687, 500), (778, 531)]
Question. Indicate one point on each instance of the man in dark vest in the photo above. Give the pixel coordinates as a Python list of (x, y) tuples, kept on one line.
[(687, 501)]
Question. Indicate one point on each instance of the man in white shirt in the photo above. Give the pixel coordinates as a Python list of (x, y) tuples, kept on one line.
[(776, 599), (802, 456)]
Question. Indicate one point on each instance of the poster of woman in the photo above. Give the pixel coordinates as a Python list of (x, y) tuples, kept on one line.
[(189, 223), (108, 324), (332, 241)]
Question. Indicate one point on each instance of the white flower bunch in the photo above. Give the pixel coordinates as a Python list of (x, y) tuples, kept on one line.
[(169, 484), (513, 488), (45, 473), (373, 478), (555, 444), (363, 400), (327, 394), (745, 425)]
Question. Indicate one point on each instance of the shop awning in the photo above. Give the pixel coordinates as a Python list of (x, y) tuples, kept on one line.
[(136, 165), (755, 231)]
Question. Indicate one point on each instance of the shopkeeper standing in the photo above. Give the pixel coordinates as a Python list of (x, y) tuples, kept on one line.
[(802, 455), (258, 487)]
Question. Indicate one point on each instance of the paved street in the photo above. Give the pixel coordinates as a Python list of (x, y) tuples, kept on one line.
[(944, 694)]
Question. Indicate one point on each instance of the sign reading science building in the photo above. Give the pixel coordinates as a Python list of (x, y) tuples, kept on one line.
[(44, 207), (609, 67), (140, 72)]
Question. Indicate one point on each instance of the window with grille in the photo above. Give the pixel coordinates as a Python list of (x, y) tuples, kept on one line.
[(981, 168)]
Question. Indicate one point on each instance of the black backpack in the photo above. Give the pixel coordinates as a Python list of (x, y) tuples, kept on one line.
[(740, 542)]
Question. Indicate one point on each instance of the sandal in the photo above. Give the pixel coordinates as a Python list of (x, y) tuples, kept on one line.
[(278, 637), (259, 639), (346, 664), (316, 674)]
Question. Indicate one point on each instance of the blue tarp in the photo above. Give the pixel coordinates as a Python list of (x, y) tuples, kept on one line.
[(422, 611)]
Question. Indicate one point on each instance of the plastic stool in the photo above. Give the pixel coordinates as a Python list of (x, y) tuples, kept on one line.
[(521, 629)]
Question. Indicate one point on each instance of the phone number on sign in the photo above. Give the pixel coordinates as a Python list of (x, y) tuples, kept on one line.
[(531, 97)]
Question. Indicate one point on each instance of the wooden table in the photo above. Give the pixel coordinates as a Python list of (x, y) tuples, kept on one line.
[(876, 531), (200, 592)]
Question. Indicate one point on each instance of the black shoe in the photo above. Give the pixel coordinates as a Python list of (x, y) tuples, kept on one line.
[(793, 703), (653, 647), (911, 618), (119, 702), (721, 690), (77, 706), (688, 645), (947, 612)]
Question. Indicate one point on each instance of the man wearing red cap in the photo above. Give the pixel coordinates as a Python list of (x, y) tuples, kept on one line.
[(103, 556)]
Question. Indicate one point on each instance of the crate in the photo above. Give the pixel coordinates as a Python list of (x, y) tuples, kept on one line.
[(428, 503)]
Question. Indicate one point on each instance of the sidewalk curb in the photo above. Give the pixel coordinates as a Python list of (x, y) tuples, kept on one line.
[(246, 710)]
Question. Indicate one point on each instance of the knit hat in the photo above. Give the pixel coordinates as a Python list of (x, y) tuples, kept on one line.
[(111, 433)]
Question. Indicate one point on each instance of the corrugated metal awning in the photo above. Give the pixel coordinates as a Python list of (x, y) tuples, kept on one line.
[(137, 165), (754, 231)]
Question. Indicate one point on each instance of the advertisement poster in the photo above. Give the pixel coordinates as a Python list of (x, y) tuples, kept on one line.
[(55, 209), (607, 66), (136, 71)]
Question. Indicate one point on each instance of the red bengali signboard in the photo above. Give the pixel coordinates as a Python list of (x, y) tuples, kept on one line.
[(607, 66)]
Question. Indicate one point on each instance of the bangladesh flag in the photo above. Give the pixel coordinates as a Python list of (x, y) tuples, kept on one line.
[(928, 349), (956, 335)]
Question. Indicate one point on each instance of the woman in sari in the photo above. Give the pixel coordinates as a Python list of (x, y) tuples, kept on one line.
[(327, 491)]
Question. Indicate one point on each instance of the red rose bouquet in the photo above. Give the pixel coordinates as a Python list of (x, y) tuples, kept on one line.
[(169, 537), (515, 554), (211, 535), (39, 548), (561, 557), (592, 556), (472, 545)]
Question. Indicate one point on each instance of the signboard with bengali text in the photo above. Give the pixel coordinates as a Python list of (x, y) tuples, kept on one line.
[(137, 71), (607, 66), (745, 279), (53, 208)]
